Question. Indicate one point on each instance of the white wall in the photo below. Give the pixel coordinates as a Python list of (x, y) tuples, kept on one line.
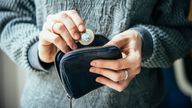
[(11, 83)]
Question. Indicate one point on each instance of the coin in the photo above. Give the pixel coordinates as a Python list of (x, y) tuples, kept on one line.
[(87, 37)]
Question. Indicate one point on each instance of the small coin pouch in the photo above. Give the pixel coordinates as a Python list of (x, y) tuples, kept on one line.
[(73, 67)]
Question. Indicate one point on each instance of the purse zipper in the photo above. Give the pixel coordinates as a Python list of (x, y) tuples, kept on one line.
[(70, 100), (89, 48)]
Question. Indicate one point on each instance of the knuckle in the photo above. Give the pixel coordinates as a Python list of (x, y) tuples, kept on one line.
[(63, 15), (73, 29), (59, 27), (56, 39)]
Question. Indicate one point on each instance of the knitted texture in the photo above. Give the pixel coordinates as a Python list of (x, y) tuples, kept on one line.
[(22, 20)]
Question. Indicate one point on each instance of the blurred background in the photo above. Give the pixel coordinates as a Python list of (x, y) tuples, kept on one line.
[(178, 83), (12, 80)]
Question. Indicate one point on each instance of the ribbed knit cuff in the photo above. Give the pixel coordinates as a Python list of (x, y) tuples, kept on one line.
[(34, 60), (147, 42)]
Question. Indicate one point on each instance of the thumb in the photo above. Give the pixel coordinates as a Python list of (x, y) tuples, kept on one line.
[(119, 41)]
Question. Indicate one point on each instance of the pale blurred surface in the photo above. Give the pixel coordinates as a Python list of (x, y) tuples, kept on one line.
[(12, 80)]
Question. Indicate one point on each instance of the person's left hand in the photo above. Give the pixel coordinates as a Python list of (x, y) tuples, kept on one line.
[(114, 71)]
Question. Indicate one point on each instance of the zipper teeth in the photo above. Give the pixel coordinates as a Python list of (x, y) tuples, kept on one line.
[(70, 54), (70, 103), (87, 48)]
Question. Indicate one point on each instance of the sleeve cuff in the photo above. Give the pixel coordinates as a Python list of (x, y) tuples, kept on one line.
[(147, 42), (34, 60)]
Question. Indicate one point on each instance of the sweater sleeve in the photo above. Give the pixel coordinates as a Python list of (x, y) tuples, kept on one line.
[(18, 31), (170, 35), (168, 45)]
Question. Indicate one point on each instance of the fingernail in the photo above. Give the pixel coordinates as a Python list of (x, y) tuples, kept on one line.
[(93, 63), (74, 46), (97, 79), (81, 28), (77, 36), (91, 69)]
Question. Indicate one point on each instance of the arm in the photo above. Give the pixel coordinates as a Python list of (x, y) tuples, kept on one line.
[(158, 44), (18, 32), (167, 45), (169, 38)]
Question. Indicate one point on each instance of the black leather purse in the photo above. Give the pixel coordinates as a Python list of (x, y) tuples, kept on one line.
[(73, 67)]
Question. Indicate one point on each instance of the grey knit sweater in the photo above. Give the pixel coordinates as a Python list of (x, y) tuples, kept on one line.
[(161, 23)]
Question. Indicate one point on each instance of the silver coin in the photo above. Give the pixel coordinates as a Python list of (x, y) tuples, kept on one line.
[(87, 37)]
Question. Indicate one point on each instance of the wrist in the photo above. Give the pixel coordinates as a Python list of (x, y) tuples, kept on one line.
[(34, 60), (146, 40), (45, 54)]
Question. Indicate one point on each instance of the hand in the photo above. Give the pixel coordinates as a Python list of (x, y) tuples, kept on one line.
[(59, 32), (113, 71)]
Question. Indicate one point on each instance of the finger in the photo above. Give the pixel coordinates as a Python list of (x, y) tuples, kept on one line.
[(127, 40), (54, 39), (55, 26), (114, 85), (69, 24), (114, 76), (77, 20), (134, 59), (119, 64), (49, 23), (119, 41), (60, 29), (134, 72), (48, 26)]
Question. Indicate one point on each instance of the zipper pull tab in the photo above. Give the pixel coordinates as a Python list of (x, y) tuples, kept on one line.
[(70, 99)]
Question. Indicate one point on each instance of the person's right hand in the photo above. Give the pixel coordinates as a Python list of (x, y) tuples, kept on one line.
[(59, 33)]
